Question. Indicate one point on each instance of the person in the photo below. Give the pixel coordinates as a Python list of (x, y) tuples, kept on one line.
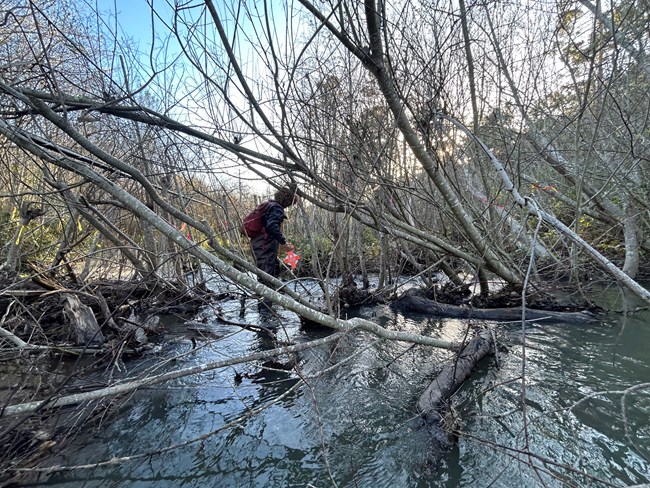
[(265, 246)]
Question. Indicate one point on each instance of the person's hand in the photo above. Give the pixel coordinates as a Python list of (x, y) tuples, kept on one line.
[(286, 247)]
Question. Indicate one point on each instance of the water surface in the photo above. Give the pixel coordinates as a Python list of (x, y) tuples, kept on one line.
[(344, 414)]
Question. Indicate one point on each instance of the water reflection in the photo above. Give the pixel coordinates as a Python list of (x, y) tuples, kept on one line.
[(343, 414)]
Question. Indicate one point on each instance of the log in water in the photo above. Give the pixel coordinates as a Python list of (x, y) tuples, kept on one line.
[(419, 304)]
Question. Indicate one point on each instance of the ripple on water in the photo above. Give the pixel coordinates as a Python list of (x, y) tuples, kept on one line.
[(354, 419)]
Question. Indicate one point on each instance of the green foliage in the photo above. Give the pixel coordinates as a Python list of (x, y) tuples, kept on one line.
[(41, 241), (303, 247), (371, 242), (7, 227)]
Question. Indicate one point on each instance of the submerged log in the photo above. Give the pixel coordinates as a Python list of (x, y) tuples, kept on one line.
[(420, 304), (434, 405)]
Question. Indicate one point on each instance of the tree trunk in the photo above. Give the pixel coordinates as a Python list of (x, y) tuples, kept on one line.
[(362, 259), (376, 64), (90, 256), (383, 261), (631, 236)]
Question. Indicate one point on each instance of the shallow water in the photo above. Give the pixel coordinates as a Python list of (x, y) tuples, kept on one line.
[(344, 414)]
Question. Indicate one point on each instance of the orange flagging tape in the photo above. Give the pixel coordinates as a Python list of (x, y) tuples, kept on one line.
[(292, 259)]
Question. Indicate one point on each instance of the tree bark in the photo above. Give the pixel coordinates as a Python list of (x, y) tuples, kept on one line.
[(82, 322)]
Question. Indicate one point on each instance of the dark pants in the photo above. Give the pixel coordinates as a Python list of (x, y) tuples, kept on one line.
[(265, 250)]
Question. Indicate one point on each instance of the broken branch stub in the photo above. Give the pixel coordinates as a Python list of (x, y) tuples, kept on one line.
[(82, 322)]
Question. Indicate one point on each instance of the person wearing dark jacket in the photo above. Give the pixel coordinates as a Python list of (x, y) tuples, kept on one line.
[(266, 245)]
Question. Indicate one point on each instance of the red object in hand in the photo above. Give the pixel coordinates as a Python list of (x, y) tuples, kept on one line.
[(292, 258)]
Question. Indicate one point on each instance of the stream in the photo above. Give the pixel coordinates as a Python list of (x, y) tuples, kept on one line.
[(345, 414)]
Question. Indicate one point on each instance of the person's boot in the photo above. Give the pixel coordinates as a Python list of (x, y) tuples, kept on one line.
[(265, 307)]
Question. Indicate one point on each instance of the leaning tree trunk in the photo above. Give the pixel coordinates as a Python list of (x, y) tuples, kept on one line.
[(375, 62), (106, 227), (94, 244), (383, 261), (169, 267), (65, 245)]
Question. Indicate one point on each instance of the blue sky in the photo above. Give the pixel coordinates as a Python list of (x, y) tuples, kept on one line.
[(135, 19), (133, 16)]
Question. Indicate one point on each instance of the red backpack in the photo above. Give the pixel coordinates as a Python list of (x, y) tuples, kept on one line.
[(253, 223)]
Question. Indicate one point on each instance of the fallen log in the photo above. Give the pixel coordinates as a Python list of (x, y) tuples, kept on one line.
[(434, 403), (420, 304)]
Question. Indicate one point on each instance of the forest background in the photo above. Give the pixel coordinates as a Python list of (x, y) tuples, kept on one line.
[(497, 143), (466, 138)]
